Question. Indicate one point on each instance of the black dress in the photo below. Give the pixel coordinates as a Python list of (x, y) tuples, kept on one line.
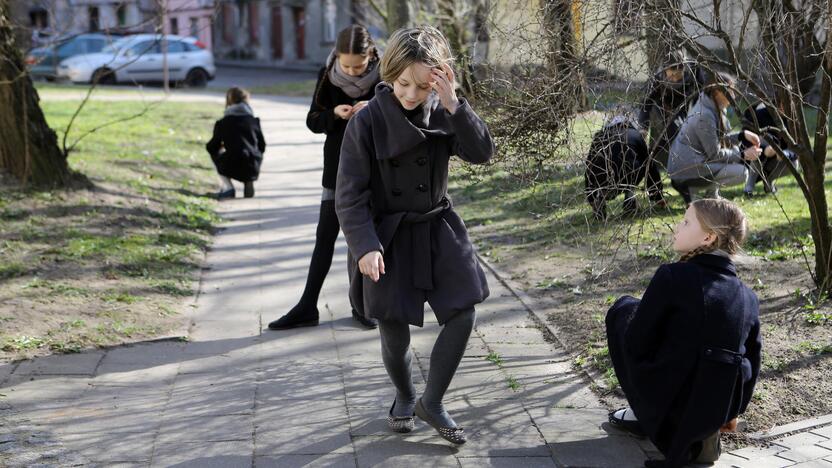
[(687, 355)]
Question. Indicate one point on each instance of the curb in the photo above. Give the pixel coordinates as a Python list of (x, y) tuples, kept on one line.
[(594, 376), (792, 428)]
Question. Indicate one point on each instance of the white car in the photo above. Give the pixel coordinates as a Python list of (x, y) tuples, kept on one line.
[(139, 58)]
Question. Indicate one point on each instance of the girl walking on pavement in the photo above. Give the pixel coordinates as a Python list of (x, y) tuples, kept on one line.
[(345, 85), (392, 201)]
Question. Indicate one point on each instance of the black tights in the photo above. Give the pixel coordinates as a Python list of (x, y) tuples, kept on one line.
[(325, 237), (444, 360)]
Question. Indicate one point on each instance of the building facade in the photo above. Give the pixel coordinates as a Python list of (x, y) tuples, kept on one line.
[(193, 18), (294, 33), (44, 20)]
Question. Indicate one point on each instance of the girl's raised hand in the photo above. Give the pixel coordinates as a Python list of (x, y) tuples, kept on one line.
[(443, 81), (372, 265), (751, 137), (343, 111)]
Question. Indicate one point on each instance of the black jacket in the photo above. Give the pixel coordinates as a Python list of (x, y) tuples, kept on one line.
[(392, 196), (615, 161), (244, 145), (688, 354), (322, 119), (668, 100)]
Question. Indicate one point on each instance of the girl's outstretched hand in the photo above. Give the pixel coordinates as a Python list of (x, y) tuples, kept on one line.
[(372, 265), (443, 81)]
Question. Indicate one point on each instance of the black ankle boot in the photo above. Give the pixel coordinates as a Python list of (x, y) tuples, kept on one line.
[(299, 316), (367, 322)]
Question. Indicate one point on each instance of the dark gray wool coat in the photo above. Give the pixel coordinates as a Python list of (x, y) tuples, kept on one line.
[(392, 196)]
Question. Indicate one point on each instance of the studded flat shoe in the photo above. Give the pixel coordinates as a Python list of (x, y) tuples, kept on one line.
[(633, 427), (401, 424), (454, 435)]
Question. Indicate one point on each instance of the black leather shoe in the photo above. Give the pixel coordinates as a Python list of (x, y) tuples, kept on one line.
[(226, 194), (367, 322), (297, 317), (248, 191)]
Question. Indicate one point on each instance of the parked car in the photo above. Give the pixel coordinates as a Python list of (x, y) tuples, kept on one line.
[(136, 59), (43, 61)]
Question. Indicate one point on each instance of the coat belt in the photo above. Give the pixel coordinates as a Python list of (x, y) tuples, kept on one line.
[(420, 239)]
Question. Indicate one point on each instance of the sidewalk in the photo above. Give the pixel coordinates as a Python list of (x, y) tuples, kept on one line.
[(237, 394)]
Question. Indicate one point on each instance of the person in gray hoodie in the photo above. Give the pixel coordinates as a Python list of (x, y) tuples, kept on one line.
[(705, 156)]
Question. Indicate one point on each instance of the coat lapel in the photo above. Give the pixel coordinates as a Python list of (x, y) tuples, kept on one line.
[(393, 133)]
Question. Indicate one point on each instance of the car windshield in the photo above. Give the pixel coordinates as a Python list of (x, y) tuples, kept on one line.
[(116, 46)]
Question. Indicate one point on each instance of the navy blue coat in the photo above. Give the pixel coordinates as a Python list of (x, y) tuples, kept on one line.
[(687, 355)]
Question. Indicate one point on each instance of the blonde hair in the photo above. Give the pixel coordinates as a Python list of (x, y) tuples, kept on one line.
[(725, 220), (422, 44), (236, 95)]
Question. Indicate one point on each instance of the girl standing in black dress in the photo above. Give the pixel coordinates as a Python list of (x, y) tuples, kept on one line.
[(345, 85)]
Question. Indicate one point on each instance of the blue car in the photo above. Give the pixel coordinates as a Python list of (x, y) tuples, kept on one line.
[(43, 61)]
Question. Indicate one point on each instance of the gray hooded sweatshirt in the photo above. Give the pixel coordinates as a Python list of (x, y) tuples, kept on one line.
[(699, 143)]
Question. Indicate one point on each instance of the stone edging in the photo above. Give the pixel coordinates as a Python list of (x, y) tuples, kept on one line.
[(593, 375)]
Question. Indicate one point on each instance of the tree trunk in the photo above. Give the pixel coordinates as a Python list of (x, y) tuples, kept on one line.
[(785, 37), (456, 30), (28, 147), (398, 15), (662, 26), (563, 63)]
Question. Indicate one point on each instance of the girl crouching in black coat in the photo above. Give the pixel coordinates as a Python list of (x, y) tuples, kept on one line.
[(687, 355), (237, 145)]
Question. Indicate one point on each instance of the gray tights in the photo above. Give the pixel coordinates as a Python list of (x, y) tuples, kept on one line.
[(444, 359)]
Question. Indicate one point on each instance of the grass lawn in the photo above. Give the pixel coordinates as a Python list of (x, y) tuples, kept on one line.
[(83, 268), (295, 88)]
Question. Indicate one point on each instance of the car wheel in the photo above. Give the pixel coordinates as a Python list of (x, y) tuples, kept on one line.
[(104, 77), (196, 78)]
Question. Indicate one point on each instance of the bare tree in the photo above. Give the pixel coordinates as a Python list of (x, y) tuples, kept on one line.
[(28, 147), (780, 73)]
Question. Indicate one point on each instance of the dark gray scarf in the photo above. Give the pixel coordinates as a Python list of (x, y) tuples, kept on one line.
[(241, 108), (353, 86)]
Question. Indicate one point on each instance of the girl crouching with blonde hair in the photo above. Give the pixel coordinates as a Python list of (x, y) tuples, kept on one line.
[(687, 355)]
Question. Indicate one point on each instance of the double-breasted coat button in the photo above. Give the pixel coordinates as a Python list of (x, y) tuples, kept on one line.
[(422, 188), (394, 162), (422, 161), (397, 192)]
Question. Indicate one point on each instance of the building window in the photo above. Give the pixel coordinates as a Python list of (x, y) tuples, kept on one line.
[(328, 7), (95, 22), (39, 18), (121, 15), (194, 27), (227, 23), (253, 23), (174, 25), (627, 18)]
